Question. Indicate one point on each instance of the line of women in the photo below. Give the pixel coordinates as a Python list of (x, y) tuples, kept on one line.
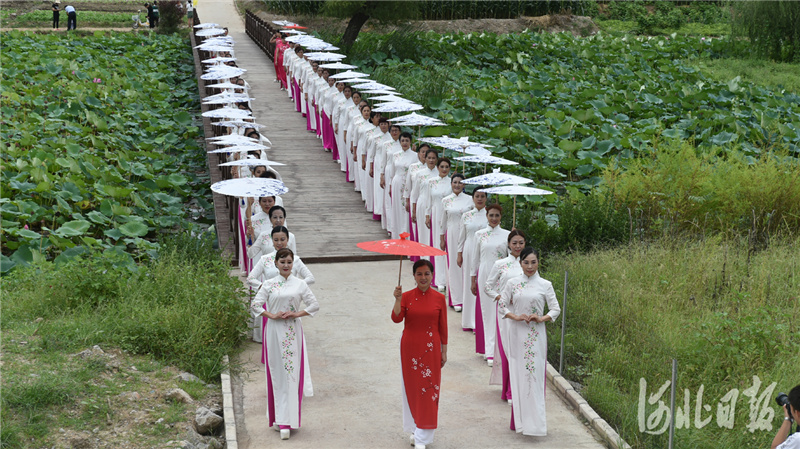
[(488, 274), (268, 255)]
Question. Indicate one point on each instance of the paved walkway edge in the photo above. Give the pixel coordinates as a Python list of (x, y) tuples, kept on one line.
[(227, 407), (568, 393)]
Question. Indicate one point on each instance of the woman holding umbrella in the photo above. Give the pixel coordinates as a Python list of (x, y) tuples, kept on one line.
[(416, 178), (280, 303), (438, 188), (400, 163), (453, 207), (423, 353), (471, 222), (522, 303), (502, 271), (492, 245)]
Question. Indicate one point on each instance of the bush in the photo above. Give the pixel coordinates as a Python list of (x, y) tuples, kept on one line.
[(170, 14), (680, 192), (182, 307), (772, 27)]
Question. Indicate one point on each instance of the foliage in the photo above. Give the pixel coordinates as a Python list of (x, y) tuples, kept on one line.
[(776, 75), (665, 15), (684, 192), (772, 27), (359, 11), (84, 18), (181, 307), (724, 312), (556, 105), (170, 16), (294, 7), (498, 9), (98, 149)]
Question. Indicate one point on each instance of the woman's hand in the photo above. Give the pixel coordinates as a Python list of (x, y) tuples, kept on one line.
[(460, 260), (407, 204), (474, 286), (428, 221), (364, 164), (442, 243), (250, 201), (398, 293), (383, 181), (444, 358), (497, 298)]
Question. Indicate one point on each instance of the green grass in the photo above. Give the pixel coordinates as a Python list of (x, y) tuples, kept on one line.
[(86, 18), (779, 75), (689, 29), (724, 311)]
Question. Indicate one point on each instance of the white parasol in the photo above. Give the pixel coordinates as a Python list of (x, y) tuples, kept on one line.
[(210, 32), (226, 97), (496, 178), (487, 159), (347, 74), (218, 59), (206, 25), (227, 113), (222, 73), (284, 23), (250, 163), (338, 66), (225, 86), (325, 57), (239, 124), (232, 139), (238, 148), (398, 106), (250, 187), (372, 85), (516, 190)]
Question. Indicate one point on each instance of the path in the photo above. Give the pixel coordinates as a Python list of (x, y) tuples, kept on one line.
[(353, 344), (323, 210)]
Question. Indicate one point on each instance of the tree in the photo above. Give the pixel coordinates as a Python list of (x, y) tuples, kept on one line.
[(361, 11), (773, 27)]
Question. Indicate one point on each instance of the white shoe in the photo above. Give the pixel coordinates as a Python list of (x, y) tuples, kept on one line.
[(285, 434), (457, 308), (509, 402), (412, 440), (419, 446), (490, 362)]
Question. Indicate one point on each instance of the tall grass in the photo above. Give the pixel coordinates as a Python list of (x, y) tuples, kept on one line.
[(182, 307), (724, 312)]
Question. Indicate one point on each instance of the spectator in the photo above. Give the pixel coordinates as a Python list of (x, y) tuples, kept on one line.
[(155, 14), (150, 19), (55, 14), (189, 12), (72, 17)]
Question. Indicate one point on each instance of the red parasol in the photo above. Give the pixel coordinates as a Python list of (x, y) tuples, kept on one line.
[(295, 27), (401, 247)]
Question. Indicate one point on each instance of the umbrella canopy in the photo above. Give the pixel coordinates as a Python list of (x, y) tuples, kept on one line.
[(338, 66), (388, 98), (206, 25), (214, 47), (415, 116), (377, 91), (496, 178), (451, 143), (210, 32), (225, 86), (326, 54), (373, 85), (250, 163), (239, 124), (221, 74), (293, 32), (487, 159), (347, 74), (250, 187), (351, 80), (232, 139), (239, 148), (227, 113), (398, 106), (325, 57), (283, 23), (323, 46), (516, 190), (400, 247), (226, 97), (302, 38), (218, 59)]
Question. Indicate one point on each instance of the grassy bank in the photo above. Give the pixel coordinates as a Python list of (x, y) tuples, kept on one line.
[(724, 312), (180, 309)]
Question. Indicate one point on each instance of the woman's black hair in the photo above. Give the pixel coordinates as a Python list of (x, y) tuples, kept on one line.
[(361, 108), (422, 262), (444, 159), (395, 126), (406, 134), (511, 235), (253, 135), (457, 176), (278, 229), (431, 150), (424, 145), (372, 114), (283, 252), (274, 208), (527, 252), (269, 174), (268, 196), (494, 206)]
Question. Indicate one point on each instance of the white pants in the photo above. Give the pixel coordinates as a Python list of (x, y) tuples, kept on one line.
[(421, 436)]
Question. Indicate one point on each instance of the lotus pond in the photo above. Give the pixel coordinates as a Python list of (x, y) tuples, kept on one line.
[(100, 145), (566, 108)]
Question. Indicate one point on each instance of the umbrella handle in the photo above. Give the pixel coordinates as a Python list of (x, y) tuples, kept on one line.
[(400, 271), (514, 220)]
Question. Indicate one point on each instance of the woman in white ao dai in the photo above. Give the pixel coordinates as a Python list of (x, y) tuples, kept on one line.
[(454, 206), (280, 301), (522, 302)]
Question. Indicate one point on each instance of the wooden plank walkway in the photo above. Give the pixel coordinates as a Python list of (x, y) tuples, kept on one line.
[(324, 211)]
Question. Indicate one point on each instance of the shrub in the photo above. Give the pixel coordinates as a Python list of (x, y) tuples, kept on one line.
[(772, 27)]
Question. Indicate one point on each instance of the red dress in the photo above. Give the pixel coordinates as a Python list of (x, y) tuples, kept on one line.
[(425, 315)]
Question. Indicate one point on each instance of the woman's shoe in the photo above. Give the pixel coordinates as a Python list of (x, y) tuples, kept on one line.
[(419, 446), (490, 362), (285, 434), (457, 308), (412, 440)]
